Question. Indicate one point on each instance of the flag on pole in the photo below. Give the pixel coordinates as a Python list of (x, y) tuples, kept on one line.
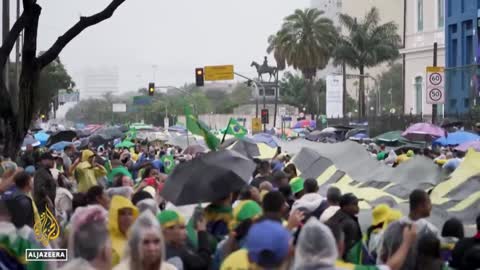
[(234, 128), (198, 127), (168, 163), (131, 134)]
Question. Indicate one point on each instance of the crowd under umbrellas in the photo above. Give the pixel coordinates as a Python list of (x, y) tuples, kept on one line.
[(328, 199)]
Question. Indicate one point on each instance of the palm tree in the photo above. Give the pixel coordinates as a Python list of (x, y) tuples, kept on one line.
[(367, 44), (305, 42)]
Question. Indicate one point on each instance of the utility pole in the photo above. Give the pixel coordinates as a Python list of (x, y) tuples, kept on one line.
[(434, 106), (5, 31)]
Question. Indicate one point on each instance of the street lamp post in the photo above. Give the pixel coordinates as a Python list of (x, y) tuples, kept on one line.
[(255, 84)]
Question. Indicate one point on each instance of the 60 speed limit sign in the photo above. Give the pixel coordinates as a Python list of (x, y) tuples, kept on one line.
[(435, 93)]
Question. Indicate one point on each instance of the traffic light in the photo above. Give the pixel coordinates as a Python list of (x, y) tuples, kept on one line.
[(151, 89), (199, 77), (43, 117), (264, 116)]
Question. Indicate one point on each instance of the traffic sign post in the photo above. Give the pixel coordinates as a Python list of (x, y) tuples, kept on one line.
[(435, 85), (219, 73), (256, 125)]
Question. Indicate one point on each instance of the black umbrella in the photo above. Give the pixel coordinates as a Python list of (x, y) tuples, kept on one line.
[(208, 178), (246, 147), (61, 136), (97, 140), (110, 133)]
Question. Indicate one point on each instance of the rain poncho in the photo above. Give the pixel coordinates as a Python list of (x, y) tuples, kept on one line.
[(316, 247), (145, 221), (119, 240), (309, 201), (87, 175)]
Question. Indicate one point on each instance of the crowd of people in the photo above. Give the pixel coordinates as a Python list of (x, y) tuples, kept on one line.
[(108, 205)]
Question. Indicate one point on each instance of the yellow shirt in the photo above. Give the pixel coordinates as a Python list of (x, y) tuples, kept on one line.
[(236, 261)]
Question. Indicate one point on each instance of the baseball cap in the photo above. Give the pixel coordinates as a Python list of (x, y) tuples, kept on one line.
[(348, 199), (267, 243), (296, 184)]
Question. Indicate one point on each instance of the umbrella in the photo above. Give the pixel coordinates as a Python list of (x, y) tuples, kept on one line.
[(182, 141), (110, 133), (125, 144), (246, 147), (423, 132), (177, 128), (389, 137), (456, 138), (60, 146), (322, 136), (355, 131), (266, 139), (82, 133), (305, 123), (42, 137), (194, 149), (61, 136), (465, 146), (358, 136), (29, 140), (97, 140), (208, 178)]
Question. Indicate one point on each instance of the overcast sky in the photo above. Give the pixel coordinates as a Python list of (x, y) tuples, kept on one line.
[(174, 35)]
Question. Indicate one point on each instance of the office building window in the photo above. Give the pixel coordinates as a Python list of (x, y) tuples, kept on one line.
[(418, 94), (466, 102), (462, 6), (441, 13), (419, 15), (452, 103)]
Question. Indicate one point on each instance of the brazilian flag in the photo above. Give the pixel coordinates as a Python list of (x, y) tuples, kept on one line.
[(198, 127), (168, 163), (234, 128)]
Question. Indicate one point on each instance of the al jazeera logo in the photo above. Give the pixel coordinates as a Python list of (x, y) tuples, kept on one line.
[(46, 229)]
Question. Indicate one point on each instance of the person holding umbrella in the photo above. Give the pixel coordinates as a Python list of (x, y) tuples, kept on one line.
[(173, 227)]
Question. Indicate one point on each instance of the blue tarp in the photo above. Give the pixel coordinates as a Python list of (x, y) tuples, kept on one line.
[(456, 138)]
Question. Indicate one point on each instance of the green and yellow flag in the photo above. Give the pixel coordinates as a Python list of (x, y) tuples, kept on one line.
[(234, 128), (198, 127), (131, 134), (168, 163)]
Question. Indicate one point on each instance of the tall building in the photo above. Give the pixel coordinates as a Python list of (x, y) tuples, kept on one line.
[(462, 55), (99, 81), (425, 20)]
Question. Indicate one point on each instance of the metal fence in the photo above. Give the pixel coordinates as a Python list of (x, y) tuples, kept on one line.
[(383, 123)]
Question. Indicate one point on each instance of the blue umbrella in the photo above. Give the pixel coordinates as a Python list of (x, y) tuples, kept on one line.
[(60, 146), (360, 136), (42, 137), (456, 138), (266, 139)]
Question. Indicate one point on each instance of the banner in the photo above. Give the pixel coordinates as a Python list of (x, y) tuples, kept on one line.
[(334, 96)]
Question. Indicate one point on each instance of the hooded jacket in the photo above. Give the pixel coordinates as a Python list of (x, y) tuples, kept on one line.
[(119, 240), (44, 189), (87, 175), (309, 201)]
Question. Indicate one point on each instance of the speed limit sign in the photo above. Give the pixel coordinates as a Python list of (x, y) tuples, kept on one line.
[(435, 93)]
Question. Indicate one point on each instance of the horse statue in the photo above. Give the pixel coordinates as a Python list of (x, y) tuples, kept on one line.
[(262, 69)]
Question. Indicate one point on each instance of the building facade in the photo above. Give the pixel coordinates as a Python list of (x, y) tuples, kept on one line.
[(462, 55), (425, 23)]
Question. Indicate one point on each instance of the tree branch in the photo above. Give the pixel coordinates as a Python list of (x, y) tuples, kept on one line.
[(11, 38), (84, 22)]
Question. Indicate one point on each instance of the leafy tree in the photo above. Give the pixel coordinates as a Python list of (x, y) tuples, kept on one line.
[(19, 105), (306, 42), (367, 44), (295, 92)]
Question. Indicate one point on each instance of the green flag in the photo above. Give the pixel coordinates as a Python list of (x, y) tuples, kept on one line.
[(234, 128), (168, 163), (131, 134), (198, 127)]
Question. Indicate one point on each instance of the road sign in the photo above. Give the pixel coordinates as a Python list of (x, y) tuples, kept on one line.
[(435, 93), (119, 107), (142, 100), (219, 73), (256, 125)]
